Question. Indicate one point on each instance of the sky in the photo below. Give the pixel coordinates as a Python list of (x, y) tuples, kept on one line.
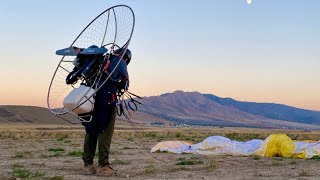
[(267, 51)]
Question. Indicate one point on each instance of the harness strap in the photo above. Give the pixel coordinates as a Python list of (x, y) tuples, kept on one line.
[(106, 66), (134, 95)]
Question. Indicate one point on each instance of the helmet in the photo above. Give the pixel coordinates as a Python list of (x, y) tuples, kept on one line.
[(127, 55)]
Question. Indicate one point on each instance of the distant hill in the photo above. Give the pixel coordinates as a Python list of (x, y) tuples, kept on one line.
[(191, 108), (39, 115), (270, 110), (206, 109), (28, 114)]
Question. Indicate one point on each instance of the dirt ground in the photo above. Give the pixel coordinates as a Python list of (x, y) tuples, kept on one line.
[(56, 155)]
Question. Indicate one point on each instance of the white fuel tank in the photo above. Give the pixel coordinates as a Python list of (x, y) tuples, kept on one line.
[(78, 96)]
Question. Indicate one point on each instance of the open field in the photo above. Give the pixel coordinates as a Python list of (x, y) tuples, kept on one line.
[(54, 152)]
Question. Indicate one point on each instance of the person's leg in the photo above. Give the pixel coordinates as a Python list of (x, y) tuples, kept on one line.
[(89, 148), (104, 139)]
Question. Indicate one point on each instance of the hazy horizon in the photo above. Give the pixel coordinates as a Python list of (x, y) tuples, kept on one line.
[(267, 51)]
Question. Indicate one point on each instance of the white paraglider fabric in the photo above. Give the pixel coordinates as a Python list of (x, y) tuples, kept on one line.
[(274, 145)]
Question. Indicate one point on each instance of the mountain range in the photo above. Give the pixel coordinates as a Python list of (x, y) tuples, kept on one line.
[(192, 108), (207, 109)]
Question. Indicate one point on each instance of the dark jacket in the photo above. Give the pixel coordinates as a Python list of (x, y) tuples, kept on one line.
[(105, 98)]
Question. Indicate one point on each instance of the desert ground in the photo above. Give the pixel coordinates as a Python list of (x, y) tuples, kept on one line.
[(54, 152)]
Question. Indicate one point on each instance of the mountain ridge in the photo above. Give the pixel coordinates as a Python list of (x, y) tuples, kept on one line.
[(271, 110), (228, 111), (192, 108)]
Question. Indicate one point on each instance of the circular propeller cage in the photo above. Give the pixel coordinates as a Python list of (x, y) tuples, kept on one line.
[(113, 30)]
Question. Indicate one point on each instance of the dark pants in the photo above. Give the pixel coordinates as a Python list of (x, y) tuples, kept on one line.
[(104, 141)]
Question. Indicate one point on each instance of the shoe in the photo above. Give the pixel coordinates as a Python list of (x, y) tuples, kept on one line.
[(106, 170), (89, 169)]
